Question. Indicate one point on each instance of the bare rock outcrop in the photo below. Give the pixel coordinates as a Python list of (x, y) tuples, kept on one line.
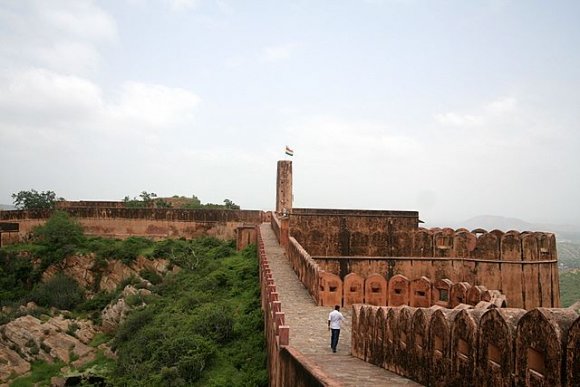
[(27, 338), (81, 268), (117, 310)]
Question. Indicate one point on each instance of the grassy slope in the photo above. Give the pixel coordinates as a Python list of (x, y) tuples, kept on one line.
[(569, 287)]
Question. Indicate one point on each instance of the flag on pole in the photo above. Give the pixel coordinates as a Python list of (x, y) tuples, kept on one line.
[(289, 151)]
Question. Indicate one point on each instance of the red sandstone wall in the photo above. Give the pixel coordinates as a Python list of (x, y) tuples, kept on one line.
[(496, 347), (526, 284), (152, 223), (349, 232), (522, 265)]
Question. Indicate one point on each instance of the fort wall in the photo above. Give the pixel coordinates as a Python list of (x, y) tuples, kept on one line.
[(349, 232), (496, 347), (146, 222), (523, 266), (286, 365)]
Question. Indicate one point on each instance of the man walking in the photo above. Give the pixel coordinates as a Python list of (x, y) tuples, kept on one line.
[(334, 320)]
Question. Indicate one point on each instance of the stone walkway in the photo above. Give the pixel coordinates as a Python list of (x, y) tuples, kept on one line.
[(309, 328)]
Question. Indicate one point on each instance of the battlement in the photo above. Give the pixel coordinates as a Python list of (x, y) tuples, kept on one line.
[(155, 223), (495, 347)]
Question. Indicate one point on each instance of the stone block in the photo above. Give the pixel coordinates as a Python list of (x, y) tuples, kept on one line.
[(377, 346), (376, 290), (421, 294), (474, 294), (406, 340), (422, 243), (439, 346), (464, 345), (353, 289), (357, 349), (541, 339), (442, 293), (459, 293), (573, 355), (391, 339), (464, 244), (418, 351), (399, 288), (330, 292), (495, 357)]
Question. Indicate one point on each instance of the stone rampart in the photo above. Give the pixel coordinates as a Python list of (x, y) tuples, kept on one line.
[(286, 365), (495, 347), (526, 284), (522, 265), (155, 223), (349, 232)]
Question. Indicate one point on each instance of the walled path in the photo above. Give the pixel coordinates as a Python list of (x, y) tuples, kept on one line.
[(309, 329)]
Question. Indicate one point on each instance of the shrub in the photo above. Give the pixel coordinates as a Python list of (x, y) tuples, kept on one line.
[(59, 231), (151, 276), (60, 291)]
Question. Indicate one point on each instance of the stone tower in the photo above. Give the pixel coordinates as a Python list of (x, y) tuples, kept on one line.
[(284, 186)]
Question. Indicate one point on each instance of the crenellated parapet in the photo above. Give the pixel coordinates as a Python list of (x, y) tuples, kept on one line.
[(482, 347)]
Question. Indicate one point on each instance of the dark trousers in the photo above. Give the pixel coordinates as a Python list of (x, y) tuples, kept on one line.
[(334, 333)]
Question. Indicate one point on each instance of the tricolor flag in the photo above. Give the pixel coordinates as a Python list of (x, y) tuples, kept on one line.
[(289, 151)]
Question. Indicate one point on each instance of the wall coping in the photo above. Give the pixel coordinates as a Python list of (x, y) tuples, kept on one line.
[(377, 258)]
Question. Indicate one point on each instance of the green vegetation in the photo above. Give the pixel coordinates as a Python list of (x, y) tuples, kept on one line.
[(27, 200), (202, 326), (568, 255), (205, 328), (147, 200), (569, 287), (60, 291), (194, 203), (40, 374)]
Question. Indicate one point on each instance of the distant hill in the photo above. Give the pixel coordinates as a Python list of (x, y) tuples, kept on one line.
[(564, 232), (7, 207), (569, 287), (489, 222)]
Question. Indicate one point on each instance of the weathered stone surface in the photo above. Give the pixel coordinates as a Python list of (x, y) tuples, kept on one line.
[(27, 338), (421, 293), (353, 289), (573, 354), (418, 353), (464, 345), (81, 269), (11, 363), (376, 290), (117, 310), (399, 288), (496, 336), (541, 339)]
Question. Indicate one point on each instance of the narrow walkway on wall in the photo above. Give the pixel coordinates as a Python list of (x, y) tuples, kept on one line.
[(309, 330)]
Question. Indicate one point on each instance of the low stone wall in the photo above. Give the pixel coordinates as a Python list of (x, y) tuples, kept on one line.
[(297, 371), (305, 268), (526, 284), (275, 223), (286, 365), (147, 222), (495, 347)]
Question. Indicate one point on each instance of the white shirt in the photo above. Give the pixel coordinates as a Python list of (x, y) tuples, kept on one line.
[(335, 318)]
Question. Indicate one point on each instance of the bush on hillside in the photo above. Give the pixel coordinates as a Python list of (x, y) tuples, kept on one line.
[(60, 291)]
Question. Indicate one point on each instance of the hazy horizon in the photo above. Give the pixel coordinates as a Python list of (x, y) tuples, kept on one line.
[(454, 109)]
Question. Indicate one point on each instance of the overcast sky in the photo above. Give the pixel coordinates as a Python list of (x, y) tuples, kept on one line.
[(452, 108)]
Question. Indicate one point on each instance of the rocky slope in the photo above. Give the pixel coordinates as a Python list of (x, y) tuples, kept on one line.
[(55, 337)]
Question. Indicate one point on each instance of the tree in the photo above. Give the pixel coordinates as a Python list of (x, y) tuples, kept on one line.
[(229, 205), (33, 199), (148, 200), (60, 231)]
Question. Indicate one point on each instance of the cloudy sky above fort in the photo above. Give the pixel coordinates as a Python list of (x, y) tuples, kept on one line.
[(453, 108)]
